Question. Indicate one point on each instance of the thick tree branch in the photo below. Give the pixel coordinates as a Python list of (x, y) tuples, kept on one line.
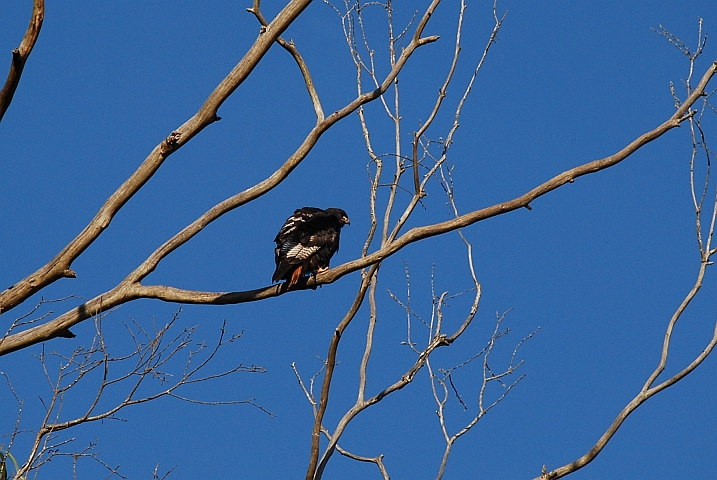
[(21, 54), (59, 266)]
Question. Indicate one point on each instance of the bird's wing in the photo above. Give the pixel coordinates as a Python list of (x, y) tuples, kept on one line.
[(297, 252), (300, 223)]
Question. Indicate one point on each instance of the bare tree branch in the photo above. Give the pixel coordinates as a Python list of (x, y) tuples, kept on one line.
[(377, 460), (59, 267), (315, 468), (154, 349), (704, 243), (153, 353), (488, 377), (291, 48), (20, 56), (129, 290), (438, 341), (646, 392)]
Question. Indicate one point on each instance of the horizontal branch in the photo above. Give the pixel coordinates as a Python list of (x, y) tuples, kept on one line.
[(420, 233), (171, 294), (130, 289)]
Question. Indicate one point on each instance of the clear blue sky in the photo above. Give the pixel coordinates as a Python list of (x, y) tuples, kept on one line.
[(599, 265)]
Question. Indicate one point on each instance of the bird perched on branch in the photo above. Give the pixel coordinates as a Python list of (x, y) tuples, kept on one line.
[(306, 242)]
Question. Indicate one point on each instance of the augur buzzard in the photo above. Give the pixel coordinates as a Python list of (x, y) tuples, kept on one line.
[(306, 242)]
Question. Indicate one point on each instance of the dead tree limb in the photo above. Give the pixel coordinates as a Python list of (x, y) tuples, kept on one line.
[(21, 54)]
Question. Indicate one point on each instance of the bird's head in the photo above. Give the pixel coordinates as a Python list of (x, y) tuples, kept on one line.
[(340, 214)]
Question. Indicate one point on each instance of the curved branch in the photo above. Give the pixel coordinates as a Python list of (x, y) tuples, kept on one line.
[(21, 54), (419, 233), (130, 289), (291, 48), (439, 101), (647, 390), (59, 267)]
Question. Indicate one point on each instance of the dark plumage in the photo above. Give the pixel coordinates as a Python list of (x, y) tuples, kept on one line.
[(306, 242)]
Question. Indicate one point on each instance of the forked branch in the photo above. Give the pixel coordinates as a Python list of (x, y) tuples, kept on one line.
[(706, 251), (291, 48), (131, 288), (155, 354), (647, 391), (59, 267)]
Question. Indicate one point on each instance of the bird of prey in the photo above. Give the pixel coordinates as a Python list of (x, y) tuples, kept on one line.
[(306, 242)]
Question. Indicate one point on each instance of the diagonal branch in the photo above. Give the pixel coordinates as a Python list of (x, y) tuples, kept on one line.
[(21, 54), (130, 289), (442, 94), (646, 392), (59, 267), (291, 48)]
